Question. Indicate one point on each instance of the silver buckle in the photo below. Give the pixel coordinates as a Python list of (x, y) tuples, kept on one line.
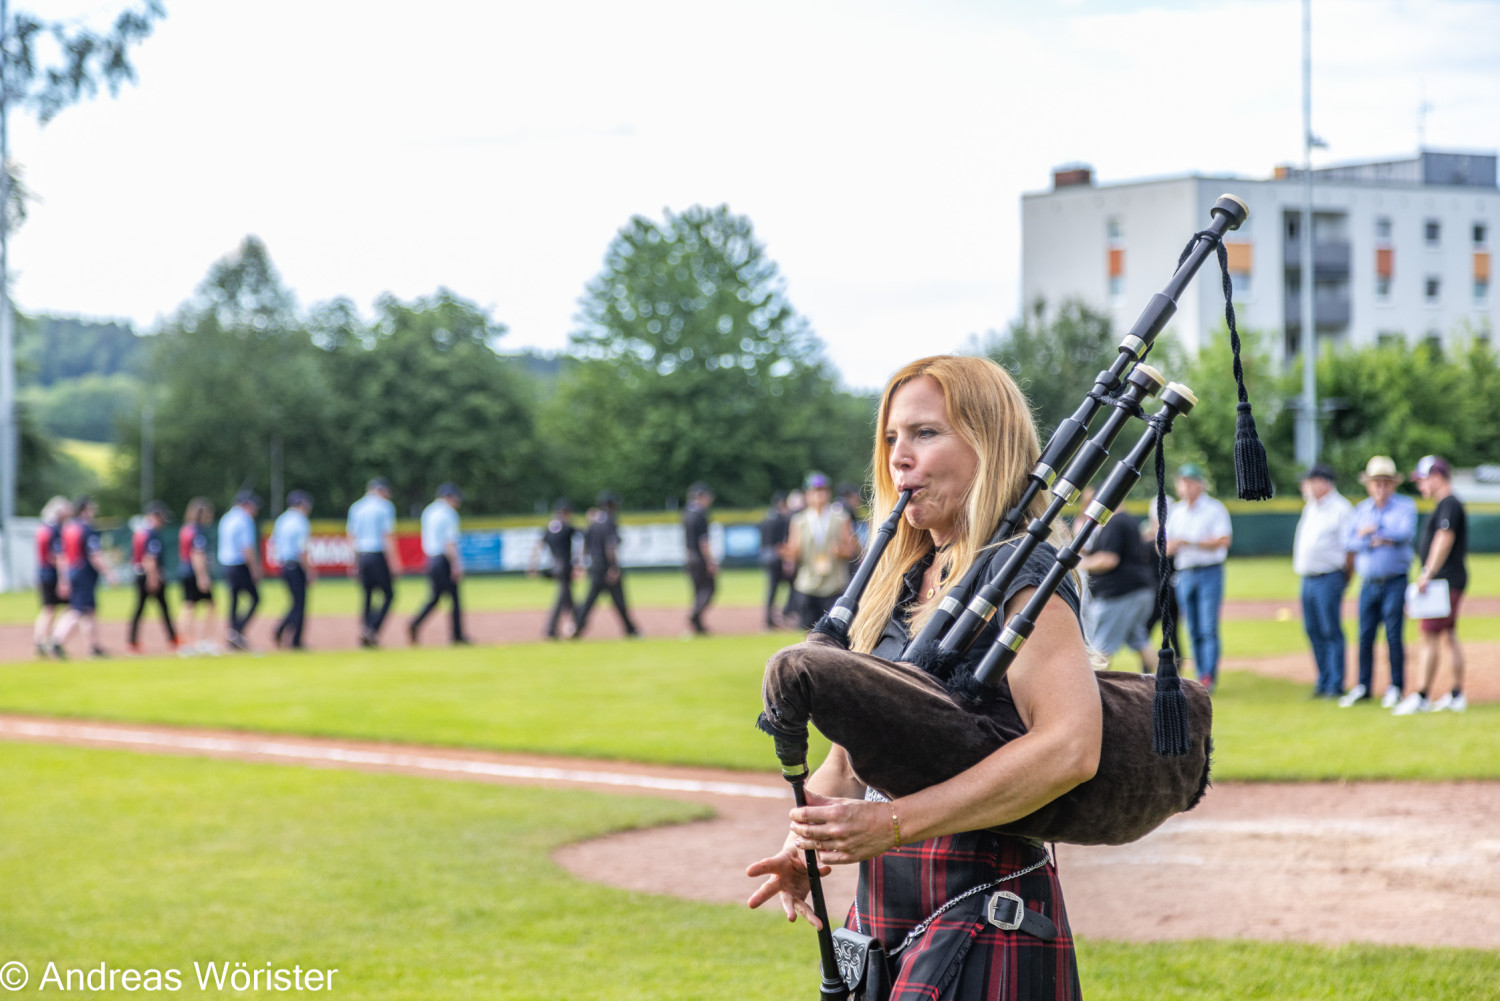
[(1020, 911)]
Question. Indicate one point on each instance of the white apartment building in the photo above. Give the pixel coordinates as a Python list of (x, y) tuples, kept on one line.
[(1400, 249)]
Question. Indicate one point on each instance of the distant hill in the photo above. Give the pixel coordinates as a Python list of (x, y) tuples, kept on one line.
[(50, 349)]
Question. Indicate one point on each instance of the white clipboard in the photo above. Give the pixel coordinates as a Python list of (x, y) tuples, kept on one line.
[(1431, 604)]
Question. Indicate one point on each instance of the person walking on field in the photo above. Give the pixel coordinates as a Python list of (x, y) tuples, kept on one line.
[(146, 549), (197, 578), (557, 539), (51, 571), (1320, 559), (445, 568), (774, 528), (84, 550), (601, 545), (1442, 554), (822, 542), (1122, 588), (239, 555), (1198, 537), (289, 538), (1380, 534), (372, 532), (702, 569)]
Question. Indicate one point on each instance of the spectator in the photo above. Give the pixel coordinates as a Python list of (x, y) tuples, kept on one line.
[(197, 580), (703, 571), (1380, 533), (239, 555), (1122, 589), (558, 540), (51, 571), (1198, 537), (774, 528), (1442, 554), (822, 541), (146, 550), (1320, 559), (289, 538), (849, 501), (601, 544), (445, 569), (372, 533), (84, 551)]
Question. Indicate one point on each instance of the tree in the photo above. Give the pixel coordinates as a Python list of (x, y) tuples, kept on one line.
[(694, 366), (1054, 359)]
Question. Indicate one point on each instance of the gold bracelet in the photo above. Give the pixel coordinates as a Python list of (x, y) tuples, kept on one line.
[(896, 828)]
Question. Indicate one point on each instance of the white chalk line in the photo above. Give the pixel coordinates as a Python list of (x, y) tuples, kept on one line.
[(294, 751)]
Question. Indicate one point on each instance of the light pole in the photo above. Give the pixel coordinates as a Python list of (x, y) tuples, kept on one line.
[(9, 439), (1307, 413)]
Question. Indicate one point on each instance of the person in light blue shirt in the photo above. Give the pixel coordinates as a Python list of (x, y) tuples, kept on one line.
[(1380, 536), (239, 554), (444, 567), (289, 538), (372, 533)]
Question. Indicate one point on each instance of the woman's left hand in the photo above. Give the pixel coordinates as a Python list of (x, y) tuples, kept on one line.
[(843, 831)]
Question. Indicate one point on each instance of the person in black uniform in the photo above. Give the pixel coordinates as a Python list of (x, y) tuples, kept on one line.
[(773, 534), (601, 542), (702, 571), (558, 540), (146, 549)]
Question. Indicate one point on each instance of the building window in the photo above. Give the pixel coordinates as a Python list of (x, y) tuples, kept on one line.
[(1383, 228), (1481, 291), (1434, 289), (1433, 233), (1433, 342), (1241, 283), (1113, 229), (1481, 234), (1383, 288), (1117, 287), (1388, 338)]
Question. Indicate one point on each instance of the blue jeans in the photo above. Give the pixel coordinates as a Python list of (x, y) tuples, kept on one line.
[(1200, 592), (1382, 601), (1322, 596)]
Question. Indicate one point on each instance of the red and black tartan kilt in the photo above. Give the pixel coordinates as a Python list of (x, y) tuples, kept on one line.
[(961, 956)]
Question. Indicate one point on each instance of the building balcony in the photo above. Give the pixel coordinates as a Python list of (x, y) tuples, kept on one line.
[(1330, 310), (1330, 259)]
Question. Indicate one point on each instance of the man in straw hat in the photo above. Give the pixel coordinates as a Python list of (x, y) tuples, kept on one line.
[(1380, 536)]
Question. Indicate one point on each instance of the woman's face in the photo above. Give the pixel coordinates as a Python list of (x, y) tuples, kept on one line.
[(929, 458)]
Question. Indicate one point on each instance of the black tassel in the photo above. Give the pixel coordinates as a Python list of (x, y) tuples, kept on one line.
[(1169, 727), (1252, 474)]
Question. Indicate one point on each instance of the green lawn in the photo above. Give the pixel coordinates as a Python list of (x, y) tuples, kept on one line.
[(665, 701), (428, 890)]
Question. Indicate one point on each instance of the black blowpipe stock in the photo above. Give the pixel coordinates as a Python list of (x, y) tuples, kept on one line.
[(836, 623), (1228, 212), (1176, 400)]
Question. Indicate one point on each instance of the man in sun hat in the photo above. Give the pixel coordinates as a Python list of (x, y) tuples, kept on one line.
[(1198, 536), (1441, 554), (1379, 535), (1320, 559)]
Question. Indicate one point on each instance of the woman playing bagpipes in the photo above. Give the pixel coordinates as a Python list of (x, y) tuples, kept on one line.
[(963, 910)]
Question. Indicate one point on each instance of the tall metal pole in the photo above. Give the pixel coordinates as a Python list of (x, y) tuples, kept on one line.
[(8, 436), (148, 452), (1307, 413)]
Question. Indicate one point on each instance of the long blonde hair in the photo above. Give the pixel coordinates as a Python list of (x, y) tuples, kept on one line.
[(991, 415)]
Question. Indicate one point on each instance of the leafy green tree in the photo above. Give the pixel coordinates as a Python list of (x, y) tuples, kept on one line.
[(694, 366), (423, 398), (1054, 358), (91, 407)]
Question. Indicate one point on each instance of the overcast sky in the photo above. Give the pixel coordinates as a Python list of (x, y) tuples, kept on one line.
[(880, 148)]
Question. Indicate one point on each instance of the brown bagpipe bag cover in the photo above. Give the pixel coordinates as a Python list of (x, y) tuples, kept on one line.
[(903, 731)]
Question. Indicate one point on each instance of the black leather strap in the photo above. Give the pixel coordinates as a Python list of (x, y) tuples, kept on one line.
[(1005, 910)]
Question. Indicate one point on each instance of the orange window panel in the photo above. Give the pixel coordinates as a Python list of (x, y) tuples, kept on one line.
[(1240, 257), (1385, 262), (1116, 262), (1482, 265)]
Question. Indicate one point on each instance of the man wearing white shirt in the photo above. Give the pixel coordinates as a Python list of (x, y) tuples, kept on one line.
[(1320, 559), (289, 538), (1198, 536), (444, 568), (372, 533), (239, 555)]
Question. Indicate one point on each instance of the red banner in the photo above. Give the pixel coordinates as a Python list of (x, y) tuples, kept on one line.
[(334, 554)]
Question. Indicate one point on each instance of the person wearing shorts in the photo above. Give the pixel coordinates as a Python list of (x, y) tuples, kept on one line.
[(84, 550), (197, 578), (1122, 591), (1443, 550), (51, 572)]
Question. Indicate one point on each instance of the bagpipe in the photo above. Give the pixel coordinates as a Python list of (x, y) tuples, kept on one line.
[(943, 705)]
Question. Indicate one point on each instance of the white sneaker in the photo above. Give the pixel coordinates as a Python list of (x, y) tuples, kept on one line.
[(1354, 695), (1452, 703), (1392, 696), (1411, 705)]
